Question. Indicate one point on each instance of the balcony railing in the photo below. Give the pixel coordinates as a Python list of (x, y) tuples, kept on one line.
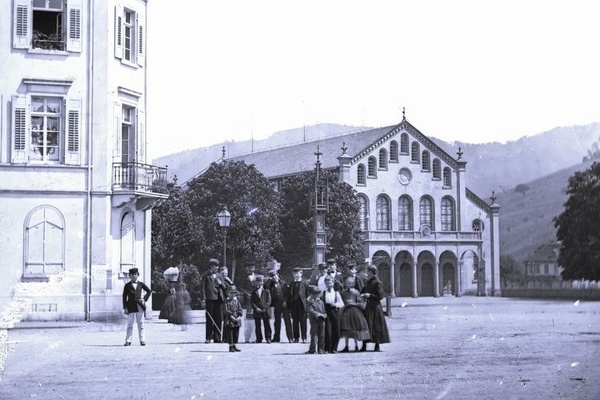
[(139, 177), (421, 236)]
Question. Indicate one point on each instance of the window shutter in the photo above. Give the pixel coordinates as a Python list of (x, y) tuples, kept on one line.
[(74, 8), (141, 136), (117, 129), (22, 15), (141, 42), (20, 128), (73, 132), (119, 32)]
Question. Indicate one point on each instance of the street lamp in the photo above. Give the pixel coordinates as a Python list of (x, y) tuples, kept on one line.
[(224, 219)]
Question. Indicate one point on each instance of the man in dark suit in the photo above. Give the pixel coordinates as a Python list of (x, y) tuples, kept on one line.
[(212, 295), (279, 301), (261, 307), (297, 303), (134, 305)]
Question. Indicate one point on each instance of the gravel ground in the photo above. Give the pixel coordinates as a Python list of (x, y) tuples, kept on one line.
[(444, 348)]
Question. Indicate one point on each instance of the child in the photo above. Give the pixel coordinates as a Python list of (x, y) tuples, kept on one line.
[(352, 319), (134, 306), (317, 316), (232, 318)]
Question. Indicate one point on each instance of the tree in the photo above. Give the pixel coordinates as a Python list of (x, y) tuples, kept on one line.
[(342, 224), (578, 226), (509, 270), (254, 207), (174, 240), (521, 188)]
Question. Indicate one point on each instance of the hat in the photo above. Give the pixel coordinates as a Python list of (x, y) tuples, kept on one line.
[(232, 289), (315, 290), (297, 269), (213, 261), (331, 261), (134, 271), (351, 267), (322, 265), (259, 277)]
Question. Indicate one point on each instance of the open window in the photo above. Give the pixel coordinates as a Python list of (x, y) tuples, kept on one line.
[(47, 25)]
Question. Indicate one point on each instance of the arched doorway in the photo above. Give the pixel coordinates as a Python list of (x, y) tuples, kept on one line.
[(384, 276), (427, 280), (404, 279), (448, 280)]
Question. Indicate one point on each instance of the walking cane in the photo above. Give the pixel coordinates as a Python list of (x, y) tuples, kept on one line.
[(214, 324)]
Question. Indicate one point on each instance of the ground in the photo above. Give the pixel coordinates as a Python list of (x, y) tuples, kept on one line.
[(442, 348)]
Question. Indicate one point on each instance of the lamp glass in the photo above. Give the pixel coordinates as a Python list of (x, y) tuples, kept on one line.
[(224, 218)]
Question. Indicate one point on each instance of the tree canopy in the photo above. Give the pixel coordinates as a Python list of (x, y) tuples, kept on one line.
[(578, 226)]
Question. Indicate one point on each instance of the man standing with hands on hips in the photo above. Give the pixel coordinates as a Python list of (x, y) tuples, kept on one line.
[(134, 305)]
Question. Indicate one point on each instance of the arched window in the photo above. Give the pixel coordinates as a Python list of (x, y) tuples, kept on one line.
[(425, 161), (437, 169), (372, 172), (383, 213), (361, 179), (382, 159), (415, 152), (127, 245), (404, 143), (447, 177), (405, 215), (44, 243), (447, 214), (363, 212), (426, 212), (393, 151)]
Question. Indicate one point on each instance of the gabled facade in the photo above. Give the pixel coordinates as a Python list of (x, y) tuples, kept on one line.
[(425, 230), (76, 189), (544, 263)]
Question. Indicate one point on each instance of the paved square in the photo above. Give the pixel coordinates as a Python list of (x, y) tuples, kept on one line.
[(444, 348)]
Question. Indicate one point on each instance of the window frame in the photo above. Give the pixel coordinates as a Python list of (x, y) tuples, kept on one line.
[(57, 226), (137, 40), (383, 213), (405, 213), (447, 214), (23, 27)]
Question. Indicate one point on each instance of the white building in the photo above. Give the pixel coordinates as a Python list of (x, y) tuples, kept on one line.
[(425, 230), (76, 191)]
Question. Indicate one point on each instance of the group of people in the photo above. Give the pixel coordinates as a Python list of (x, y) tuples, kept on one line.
[(338, 307)]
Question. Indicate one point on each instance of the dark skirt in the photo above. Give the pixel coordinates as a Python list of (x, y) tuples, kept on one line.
[(181, 315), (377, 324), (167, 308), (353, 324)]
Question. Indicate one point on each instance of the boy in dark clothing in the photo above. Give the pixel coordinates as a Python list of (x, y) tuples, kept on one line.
[(317, 316), (232, 318), (261, 307)]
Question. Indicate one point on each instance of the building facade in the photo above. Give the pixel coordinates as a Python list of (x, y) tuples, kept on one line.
[(421, 225), (76, 190)]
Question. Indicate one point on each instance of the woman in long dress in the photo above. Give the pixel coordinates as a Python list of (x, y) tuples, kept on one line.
[(169, 304), (373, 293), (181, 313), (353, 324)]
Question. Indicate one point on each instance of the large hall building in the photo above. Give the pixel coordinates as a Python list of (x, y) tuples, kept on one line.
[(421, 225)]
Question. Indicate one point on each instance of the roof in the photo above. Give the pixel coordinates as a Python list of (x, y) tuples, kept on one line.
[(297, 158), (546, 253)]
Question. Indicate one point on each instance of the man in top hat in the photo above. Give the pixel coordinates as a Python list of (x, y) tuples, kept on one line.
[(212, 296), (134, 305), (279, 301), (297, 305)]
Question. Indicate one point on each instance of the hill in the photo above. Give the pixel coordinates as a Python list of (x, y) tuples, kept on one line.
[(526, 216)]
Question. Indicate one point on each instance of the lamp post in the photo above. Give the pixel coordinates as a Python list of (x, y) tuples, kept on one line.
[(224, 219)]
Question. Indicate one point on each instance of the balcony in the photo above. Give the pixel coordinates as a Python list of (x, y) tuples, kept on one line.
[(142, 184), (421, 236)]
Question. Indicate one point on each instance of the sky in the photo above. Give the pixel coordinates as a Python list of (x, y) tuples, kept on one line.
[(463, 70)]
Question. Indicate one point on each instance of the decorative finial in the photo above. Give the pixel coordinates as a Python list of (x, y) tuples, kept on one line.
[(493, 198), (175, 179), (460, 153), (318, 153), (403, 113), (223, 151), (344, 148)]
